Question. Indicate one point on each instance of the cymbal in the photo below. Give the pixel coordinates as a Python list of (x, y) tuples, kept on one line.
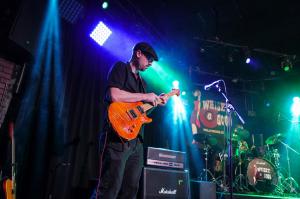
[(235, 137), (275, 138), (205, 138), (241, 133)]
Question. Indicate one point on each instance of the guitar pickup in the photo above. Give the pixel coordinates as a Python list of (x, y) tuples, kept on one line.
[(140, 109), (132, 113)]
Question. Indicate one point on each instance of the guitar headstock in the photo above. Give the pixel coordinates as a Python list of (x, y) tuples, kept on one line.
[(175, 91)]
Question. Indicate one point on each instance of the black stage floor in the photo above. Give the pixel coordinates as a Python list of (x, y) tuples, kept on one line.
[(222, 195), (209, 190)]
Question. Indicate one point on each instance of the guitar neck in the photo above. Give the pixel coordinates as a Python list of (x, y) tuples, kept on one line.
[(13, 159), (148, 106)]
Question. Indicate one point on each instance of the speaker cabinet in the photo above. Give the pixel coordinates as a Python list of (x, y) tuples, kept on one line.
[(203, 190), (27, 26), (163, 183)]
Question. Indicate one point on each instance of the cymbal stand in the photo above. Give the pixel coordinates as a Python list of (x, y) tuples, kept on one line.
[(229, 108), (276, 157), (239, 178), (221, 180), (206, 170), (290, 181)]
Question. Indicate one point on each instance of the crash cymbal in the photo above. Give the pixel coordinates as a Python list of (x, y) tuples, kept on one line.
[(241, 133), (235, 137), (274, 139), (205, 138)]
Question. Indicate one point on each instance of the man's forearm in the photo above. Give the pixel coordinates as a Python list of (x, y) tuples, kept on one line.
[(118, 95)]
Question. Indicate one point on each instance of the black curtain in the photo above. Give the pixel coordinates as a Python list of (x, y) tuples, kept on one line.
[(57, 141)]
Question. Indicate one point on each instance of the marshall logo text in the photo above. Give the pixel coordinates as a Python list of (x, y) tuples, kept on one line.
[(167, 191)]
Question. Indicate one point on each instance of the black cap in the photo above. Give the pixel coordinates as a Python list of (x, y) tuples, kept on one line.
[(146, 48)]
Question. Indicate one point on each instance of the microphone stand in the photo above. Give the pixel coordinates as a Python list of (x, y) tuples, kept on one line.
[(229, 109)]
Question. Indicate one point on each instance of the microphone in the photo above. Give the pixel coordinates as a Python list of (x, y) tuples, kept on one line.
[(214, 84)]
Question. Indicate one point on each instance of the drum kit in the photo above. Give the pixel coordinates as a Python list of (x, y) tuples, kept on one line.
[(256, 169)]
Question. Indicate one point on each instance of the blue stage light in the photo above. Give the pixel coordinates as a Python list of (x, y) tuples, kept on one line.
[(248, 60), (101, 33), (175, 84)]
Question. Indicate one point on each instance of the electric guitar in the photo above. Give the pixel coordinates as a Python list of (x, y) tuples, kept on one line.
[(9, 185), (127, 118)]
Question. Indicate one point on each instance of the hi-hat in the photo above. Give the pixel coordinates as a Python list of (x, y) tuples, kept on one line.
[(274, 139)]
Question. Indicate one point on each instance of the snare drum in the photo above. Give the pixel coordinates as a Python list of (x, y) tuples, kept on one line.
[(262, 175)]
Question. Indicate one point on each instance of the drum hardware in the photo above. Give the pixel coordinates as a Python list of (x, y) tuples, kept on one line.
[(276, 156), (240, 179), (285, 184), (273, 156), (274, 139), (205, 140), (222, 180), (241, 133), (206, 170), (289, 183)]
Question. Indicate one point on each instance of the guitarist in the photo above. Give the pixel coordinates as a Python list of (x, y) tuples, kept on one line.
[(121, 161)]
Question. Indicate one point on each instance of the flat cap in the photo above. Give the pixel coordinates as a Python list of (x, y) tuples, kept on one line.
[(146, 48)]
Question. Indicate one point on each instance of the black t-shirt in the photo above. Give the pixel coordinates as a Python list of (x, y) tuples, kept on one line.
[(122, 77)]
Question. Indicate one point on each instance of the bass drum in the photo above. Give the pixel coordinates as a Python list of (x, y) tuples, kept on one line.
[(262, 175)]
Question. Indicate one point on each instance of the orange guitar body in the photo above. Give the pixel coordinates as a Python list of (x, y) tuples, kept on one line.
[(127, 118), (8, 189)]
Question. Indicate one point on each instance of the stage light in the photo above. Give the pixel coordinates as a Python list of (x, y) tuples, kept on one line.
[(183, 93), (101, 33), (175, 84), (248, 60), (70, 10), (286, 68), (296, 107), (247, 55), (287, 63), (179, 112), (105, 5)]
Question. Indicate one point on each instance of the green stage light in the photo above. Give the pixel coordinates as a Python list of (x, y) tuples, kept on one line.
[(287, 63), (296, 107), (286, 68)]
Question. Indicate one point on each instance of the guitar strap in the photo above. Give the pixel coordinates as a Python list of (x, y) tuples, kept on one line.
[(142, 83)]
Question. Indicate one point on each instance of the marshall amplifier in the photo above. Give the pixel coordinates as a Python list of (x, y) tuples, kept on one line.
[(163, 183), (165, 158)]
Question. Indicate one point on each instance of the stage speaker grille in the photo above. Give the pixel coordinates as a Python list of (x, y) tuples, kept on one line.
[(164, 183)]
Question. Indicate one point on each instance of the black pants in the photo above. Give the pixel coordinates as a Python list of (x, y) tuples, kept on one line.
[(121, 169)]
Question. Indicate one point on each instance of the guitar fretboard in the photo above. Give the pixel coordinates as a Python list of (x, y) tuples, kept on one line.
[(148, 106)]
